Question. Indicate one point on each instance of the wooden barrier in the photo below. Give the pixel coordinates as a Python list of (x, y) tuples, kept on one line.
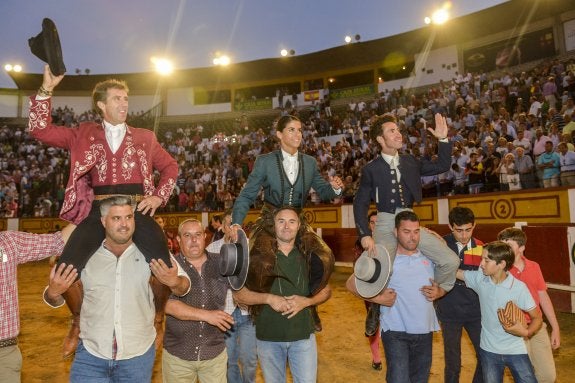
[(544, 214)]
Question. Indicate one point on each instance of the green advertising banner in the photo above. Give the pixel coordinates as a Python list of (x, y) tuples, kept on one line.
[(356, 91), (259, 104)]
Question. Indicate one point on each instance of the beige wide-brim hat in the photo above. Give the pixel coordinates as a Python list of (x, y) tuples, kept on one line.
[(235, 261), (372, 273)]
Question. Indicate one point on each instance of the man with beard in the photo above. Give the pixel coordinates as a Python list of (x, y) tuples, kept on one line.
[(117, 330), (284, 323)]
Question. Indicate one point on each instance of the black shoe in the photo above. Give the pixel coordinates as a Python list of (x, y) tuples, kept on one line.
[(376, 366), (372, 319)]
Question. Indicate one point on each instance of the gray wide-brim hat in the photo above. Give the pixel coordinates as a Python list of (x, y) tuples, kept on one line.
[(46, 46), (372, 273), (235, 261)]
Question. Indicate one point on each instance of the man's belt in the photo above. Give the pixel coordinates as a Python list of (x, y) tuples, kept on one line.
[(134, 197), (8, 342)]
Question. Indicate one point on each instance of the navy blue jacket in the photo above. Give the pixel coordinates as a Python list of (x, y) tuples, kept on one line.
[(376, 184), (461, 303)]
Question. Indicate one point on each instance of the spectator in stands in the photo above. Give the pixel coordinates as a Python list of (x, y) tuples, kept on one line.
[(523, 142), (569, 127), (474, 171), (567, 161), (526, 169), (508, 177), (549, 164)]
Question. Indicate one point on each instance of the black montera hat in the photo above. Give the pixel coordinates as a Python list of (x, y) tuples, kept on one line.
[(46, 46), (235, 261)]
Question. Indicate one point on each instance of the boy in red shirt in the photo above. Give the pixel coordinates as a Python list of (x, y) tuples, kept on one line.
[(539, 346)]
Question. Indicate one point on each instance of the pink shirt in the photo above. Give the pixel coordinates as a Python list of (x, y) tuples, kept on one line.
[(16, 248), (532, 277)]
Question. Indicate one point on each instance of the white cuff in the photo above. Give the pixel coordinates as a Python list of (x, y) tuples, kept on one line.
[(59, 304)]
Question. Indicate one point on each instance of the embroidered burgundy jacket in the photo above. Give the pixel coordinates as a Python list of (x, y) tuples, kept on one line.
[(93, 164)]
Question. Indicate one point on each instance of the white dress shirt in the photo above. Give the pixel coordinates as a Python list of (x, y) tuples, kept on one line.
[(291, 165), (114, 135)]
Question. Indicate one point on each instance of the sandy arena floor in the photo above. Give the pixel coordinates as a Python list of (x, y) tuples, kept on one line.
[(343, 349)]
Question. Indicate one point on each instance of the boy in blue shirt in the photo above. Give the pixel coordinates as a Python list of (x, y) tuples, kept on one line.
[(502, 345)]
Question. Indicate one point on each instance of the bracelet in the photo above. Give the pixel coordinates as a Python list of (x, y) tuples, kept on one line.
[(44, 93)]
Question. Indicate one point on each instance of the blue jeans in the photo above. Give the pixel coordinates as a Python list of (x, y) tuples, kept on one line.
[(301, 354), (452, 332), (88, 368), (407, 356), (494, 364), (241, 348)]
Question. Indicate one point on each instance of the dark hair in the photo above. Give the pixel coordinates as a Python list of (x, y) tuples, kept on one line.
[(406, 215), (376, 128), (280, 209), (217, 218), (500, 251), (284, 120), (100, 92), (513, 234), (461, 215), (374, 212)]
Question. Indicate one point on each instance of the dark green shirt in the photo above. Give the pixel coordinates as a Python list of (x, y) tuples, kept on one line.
[(293, 279)]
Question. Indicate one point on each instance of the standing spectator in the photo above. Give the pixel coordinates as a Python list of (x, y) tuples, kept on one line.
[(523, 142), (407, 316), (538, 149), (549, 91), (502, 343), (474, 171), (194, 346), (539, 346), (569, 124), (284, 323), (526, 169), (549, 163), (459, 309), (534, 107), (508, 177), (241, 337), (117, 317), (567, 161), (17, 248), (372, 331), (459, 179)]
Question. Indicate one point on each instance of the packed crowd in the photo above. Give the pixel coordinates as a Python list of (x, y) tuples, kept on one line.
[(511, 131)]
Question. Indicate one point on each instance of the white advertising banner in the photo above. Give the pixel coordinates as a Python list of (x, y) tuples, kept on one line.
[(569, 28)]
